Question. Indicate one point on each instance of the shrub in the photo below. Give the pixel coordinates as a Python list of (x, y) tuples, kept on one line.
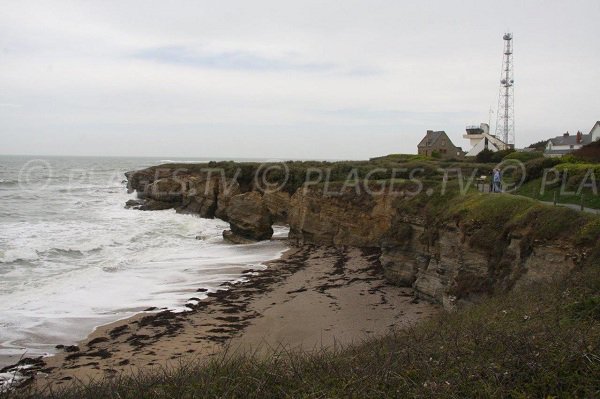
[(524, 156), (489, 156), (539, 145), (534, 168), (588, 153), (485, 156)]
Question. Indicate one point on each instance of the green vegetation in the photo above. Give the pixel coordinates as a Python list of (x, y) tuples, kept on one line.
[(400, 158), (389, 167), (539, 145), (524, 156), (489, 156), (571, 182), (541, 341), (495, 216), (535, 189), (400, 166)]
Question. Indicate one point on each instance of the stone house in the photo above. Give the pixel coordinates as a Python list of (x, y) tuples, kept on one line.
[(438, 143)]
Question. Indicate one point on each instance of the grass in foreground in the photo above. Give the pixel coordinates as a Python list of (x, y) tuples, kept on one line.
[(542, 341)]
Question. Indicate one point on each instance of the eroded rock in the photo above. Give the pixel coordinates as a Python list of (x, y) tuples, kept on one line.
[(249, 217)]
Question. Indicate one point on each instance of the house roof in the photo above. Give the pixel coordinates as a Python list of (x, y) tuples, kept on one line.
[(593, 127), (571, 140), (495, 140), (432, 137)]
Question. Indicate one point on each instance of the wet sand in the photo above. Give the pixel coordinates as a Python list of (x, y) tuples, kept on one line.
[(313, 297)]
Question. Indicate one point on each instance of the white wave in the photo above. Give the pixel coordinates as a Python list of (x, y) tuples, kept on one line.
[(69, 263), (162, 161)]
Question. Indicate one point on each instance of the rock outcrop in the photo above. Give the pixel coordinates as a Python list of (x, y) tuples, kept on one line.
[(166, 190), (278, 204), (202, 193), (200, 196), (249, 217), (344, 218), (228, 188)]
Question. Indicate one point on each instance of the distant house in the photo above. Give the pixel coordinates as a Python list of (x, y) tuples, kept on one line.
[(480, 139), (595, 132), (567, 143), (438, 143)]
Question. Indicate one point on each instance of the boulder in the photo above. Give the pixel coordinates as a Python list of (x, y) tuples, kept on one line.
[(249, 217), (233, 238), (153, 205), (135, 204)]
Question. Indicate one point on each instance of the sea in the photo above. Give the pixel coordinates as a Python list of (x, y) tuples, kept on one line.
[(73, 258)]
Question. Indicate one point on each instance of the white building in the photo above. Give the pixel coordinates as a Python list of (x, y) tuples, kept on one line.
[(567, 143), (480, 138), (595, 132)]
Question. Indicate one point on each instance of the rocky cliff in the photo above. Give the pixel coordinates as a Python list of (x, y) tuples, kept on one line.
[(208, 194), (450, 249)]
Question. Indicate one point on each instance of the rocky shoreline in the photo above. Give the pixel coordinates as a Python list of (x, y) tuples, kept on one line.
[(313, 297), (450, 260), (361, 262)]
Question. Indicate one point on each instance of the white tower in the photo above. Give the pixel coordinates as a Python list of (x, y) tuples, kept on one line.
[(505, 122)]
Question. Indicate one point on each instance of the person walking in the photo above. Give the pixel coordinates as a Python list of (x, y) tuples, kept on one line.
[(497, 178)]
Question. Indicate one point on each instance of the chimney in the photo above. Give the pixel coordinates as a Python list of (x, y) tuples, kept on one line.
[(429, 131), (566, 134), (579, 137)]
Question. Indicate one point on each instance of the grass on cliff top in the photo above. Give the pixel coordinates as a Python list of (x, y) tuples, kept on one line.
[(541, 341), (570, 195), (298, 172), (489, 216)]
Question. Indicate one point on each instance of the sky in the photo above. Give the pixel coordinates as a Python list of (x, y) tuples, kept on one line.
[(286, 79)]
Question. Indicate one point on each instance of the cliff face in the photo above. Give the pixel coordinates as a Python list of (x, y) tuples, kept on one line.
[(451, 260), (444, 262), (339, 218), (210, 195)]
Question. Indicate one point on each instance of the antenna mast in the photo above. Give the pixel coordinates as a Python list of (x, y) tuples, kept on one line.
[(505, 122)]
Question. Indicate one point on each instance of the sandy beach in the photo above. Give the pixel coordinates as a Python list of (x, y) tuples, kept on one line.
[(310, 298)]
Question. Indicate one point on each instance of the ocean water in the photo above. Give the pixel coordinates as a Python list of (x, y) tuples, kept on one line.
[(73, 258)]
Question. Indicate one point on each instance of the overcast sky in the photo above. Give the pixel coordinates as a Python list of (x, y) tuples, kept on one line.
[(286, 79)]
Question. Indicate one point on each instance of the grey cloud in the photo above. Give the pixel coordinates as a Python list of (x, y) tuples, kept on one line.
[(239, 60)]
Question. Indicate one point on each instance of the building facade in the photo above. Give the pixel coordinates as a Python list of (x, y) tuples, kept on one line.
[(480, 138), (438, 144)]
